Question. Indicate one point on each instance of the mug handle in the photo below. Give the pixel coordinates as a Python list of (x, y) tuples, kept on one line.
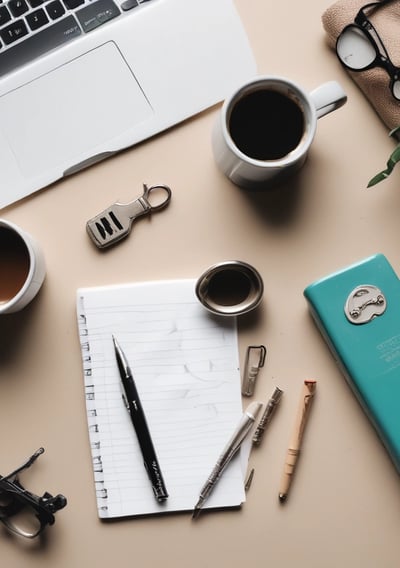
[(328, 97)]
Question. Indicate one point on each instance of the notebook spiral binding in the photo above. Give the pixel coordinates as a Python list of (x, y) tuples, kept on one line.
[(90, 395)]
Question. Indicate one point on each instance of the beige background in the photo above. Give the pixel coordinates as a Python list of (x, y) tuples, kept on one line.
[(344, 508)]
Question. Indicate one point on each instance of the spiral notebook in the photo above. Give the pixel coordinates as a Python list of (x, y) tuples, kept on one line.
[(186, 367)]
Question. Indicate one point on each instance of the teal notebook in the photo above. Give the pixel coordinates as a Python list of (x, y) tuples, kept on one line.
[(357, 310)]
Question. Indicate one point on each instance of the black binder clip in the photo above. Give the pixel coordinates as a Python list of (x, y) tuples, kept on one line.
[(255, 358)]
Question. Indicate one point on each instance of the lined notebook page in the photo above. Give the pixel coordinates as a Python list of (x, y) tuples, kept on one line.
[(186, 367)]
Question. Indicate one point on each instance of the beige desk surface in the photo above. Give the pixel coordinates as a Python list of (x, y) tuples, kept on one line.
[(344, 508)]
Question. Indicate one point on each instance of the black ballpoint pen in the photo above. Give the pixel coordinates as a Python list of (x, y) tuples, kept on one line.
[(135, 409)]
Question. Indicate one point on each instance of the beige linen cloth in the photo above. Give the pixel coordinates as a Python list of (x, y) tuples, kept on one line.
[(374, 83)]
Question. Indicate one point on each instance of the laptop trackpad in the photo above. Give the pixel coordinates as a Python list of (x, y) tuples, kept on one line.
[(74, 110)]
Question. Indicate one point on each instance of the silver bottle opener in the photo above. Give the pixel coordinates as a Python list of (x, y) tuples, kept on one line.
[(115, 222), (365, 303)]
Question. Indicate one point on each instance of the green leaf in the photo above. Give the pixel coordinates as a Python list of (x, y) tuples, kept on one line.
[(376, 179), (392, 161)]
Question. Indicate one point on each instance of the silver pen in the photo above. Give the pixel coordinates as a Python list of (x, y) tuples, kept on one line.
[(239, 435), (267, 415)]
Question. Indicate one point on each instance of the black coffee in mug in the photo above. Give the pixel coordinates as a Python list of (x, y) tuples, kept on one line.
[(14, 264), (266, 124)]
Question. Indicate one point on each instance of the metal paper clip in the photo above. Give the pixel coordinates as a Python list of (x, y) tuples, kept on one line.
[(114, 223), (255, 358)]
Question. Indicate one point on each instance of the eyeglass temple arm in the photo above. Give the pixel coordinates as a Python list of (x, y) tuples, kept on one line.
[(25, 465), (364, 23), (362, 20), (376, 4), (51, 503)]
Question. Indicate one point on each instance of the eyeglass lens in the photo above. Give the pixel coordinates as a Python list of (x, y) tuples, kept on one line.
[(19, 517), (355, 49), (396, 89)]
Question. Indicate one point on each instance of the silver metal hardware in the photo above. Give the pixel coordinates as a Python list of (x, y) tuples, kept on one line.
[(114, 223), (364, 303), (267, 415), (249, 480), (230, 288), (255, 358)]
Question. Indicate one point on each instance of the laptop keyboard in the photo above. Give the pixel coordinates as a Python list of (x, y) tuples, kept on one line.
[(30, 28)]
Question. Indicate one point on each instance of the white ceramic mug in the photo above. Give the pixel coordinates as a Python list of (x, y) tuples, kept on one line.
[(265, 129), (22, 268)]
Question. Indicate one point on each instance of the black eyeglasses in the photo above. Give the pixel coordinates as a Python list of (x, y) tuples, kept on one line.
[(359, 48), (23, 512)]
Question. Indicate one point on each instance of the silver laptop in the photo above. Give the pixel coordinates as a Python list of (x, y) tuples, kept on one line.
[(81, 80)]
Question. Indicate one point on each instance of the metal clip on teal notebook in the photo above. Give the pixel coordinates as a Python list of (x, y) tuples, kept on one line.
[(357, 309)]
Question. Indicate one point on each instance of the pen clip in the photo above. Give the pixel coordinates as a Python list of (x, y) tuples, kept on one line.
[(124, 400), (255, 358)]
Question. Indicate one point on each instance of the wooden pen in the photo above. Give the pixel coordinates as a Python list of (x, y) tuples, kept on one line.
[(306, 398)]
